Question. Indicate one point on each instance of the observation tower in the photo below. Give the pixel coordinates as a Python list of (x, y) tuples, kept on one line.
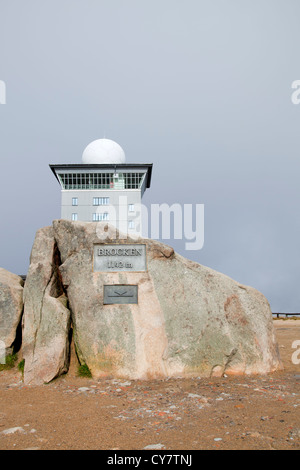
[(103, 187)]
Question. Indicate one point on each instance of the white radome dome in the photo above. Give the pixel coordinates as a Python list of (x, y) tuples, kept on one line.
[(103, 151)]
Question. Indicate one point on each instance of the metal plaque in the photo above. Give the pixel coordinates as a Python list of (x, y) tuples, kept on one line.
[(124, 257), (120, 294)]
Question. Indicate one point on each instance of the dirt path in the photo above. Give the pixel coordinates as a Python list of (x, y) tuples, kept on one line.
[(261, 412)]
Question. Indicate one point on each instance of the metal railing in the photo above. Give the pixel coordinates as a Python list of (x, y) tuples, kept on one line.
[(281, 314)]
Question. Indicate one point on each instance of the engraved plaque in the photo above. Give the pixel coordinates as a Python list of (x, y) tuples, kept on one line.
[(120, 294), (125, 257)]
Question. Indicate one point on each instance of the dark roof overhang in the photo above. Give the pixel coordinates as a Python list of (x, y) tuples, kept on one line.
[(115, 166)]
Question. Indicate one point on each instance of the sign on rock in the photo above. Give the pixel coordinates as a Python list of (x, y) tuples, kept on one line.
[(114, 258), (120, 294)]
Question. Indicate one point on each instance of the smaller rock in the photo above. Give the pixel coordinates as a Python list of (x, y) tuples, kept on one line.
[(253, 434), (294, 434), (154, 447), (11, 307), (12, 431), (83, 389), (198, 397), (194, 395)]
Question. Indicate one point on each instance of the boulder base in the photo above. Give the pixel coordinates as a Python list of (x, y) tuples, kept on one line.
[(189, 320), (46, 321), (11, 307)]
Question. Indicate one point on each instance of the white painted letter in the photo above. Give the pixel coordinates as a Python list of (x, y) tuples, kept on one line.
[(165, 211), (189, 234), (2, 92), (296, 95), (2, 352), (296, 355)]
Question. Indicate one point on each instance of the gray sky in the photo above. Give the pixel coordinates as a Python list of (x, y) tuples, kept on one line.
[(200, 88)]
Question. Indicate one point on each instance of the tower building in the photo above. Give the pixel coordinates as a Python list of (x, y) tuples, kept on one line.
[(103, 187)]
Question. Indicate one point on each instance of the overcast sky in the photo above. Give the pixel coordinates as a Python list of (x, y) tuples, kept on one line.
[(200, 88)]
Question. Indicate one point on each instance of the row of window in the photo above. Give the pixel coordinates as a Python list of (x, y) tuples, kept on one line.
[(97, 201), (101, 180), (101, 201), (102, 217), (96, 217)]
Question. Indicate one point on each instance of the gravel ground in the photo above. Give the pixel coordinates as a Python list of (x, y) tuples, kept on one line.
[(258, 412)]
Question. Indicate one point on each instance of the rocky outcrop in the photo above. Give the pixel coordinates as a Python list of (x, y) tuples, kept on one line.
[(11, 307), (189, 319), (46, 320)]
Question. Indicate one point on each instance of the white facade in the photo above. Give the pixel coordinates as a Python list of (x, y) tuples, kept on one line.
[(104, 192)]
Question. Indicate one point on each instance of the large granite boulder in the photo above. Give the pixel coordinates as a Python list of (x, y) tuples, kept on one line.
[(46, 320), (189, 320), (11, 308)]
